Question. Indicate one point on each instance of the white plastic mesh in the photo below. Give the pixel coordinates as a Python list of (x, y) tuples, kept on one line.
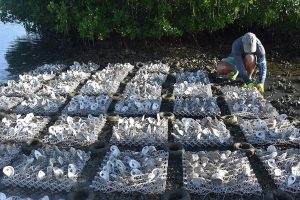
[(223, 172), (41, 105), (159, 67), (186, 89), (270, 131), (194, 106), (247, 102), (205, 132), (75, 131), (21, 128), (50, 162), (140, 131), (283, 166), (49, 68), (138, 105), (84, 105), (151, 180), (7, 153), (7, 103), (192, 77), (90, 67), (58, 87), (17, 89)]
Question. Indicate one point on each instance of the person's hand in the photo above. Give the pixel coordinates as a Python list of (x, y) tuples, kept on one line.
[(233, 75), (248, 85), (260, 88)]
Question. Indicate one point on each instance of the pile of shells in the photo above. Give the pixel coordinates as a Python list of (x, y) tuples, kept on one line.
[(192, 77), (49, 68), (247, 102), (159, 67), (128, 171), (142, 89), (20, 88), (119, 71), (58, 87), (41, 105), (7, 103), (47, 168), (101, 87), (187, 89), (21, 128), (7, 153), (90, 67), (151, 78), (222, 172), (205, 132), (276, 130), (138, 105), (73, 76), (75, 131), (194, 106), (84, 105), (140, 131), (283, 166), (40, 77)]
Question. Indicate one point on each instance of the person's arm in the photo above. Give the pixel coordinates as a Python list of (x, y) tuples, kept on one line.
[(261, 62)]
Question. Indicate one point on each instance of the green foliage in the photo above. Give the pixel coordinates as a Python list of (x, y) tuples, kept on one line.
[(97, 19)]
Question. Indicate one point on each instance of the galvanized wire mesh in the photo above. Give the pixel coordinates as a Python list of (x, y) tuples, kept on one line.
[(49, 68), (20, 89), (138, 105), (270, 131), (247, 102), (21, 128), (84, 105), (193, 106), (186, 89), (41, 105), (192, 77), (205, 132), (222, 172), (75, 131), (140, 131), (150, 177), (283, 167), (8, 153), (7, 103), (48, 169), (90, 67)]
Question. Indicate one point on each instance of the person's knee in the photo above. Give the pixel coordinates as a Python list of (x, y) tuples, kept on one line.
[(250, 61), (223, 68)]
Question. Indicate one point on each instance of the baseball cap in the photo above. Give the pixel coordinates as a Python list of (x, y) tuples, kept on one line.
[(249, 42)]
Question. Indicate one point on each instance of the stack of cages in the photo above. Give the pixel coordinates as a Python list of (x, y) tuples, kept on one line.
[(142, 94), (194, 96), (221, 172), (46, 168)]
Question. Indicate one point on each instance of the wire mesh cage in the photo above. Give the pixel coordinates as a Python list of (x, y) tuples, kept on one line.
[(222, 172), (19, 128), (88, 68), (73, 76), (47, 168), (4, 196), (275, 130), (140, 131), (102, 87), (247, 102), (192, 77), (84, 105), (186, 89), (7, 103), (8, 153), (206, 132), (142, 89), (138, 105), (156, 67), (48, 68), (20, 89), (41, 105), (283, 166), (75, 131), (149, 77), (58, 87), (194, 106), (129, 171)]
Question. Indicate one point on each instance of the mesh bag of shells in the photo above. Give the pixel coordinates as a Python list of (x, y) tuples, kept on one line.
[(223, 172), (205, 132), (8, 153), (41, 105), (114, 71), (187, 89), (75, 131), (88, 68), (4, 196), (283, 166), (72, 75), (142, 89), (102, 87), (138, 105), (47, 168), (192, 77), (275, 130), (247, 102), (40, 77), (48, 68), (20, 89), (129, 171), (151, 78), (159, 67), (58, 87), (84, 105), (194, 106), (140, 131), (7, 103), (21, 127)]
